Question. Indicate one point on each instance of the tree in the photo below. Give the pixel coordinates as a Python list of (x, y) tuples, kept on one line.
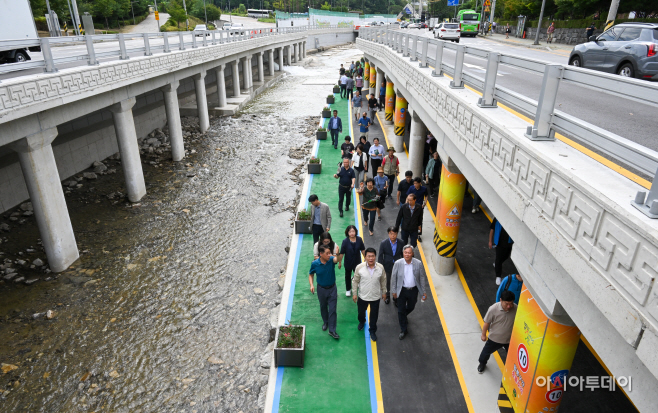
[(242, 9), (105, 8), (177, 13), (325, 6), (213, 12)]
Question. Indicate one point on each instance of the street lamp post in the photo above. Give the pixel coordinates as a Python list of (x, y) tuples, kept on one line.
[(541, 15), (133, 10)]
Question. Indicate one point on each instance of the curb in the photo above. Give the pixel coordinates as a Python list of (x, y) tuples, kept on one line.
[(528, 46)]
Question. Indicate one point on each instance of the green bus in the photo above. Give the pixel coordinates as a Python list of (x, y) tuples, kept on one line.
[(469, 22)]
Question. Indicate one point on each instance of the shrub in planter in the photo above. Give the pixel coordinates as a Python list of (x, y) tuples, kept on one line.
[(314, 165), (330, 99), (303, 223), (336, 89), (326, 112), (321, 134), (290, 346)]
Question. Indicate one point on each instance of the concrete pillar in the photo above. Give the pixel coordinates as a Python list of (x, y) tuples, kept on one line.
[(366, 80), (389, 109), (201, 101), (245, 74), (261, 70), (221, 86), (379, 81), (373, 80), (416, 145), (294, 52), (448, 216), (124, 127), (173, 120), (289, 54), (280, 59), (270, 62), (299, 51), (37, 160), (236, 78), (400, 122), (304, 50)]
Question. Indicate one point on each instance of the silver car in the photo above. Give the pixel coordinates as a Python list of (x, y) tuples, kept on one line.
[(627, 49), (447, 31)]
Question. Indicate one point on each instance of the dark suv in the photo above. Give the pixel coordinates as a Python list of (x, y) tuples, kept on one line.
[(627, 49)]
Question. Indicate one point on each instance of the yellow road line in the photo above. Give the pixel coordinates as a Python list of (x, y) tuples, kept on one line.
[(615, 167), (373, 344)]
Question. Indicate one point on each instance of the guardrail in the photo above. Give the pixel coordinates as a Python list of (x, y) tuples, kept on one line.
[(547, 120), (177, 40)]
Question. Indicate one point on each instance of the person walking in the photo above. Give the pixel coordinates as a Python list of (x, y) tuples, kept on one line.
[(377, 153), (381, 184), (357, 103), (324, 269), (502, 242), (408, 279), (507, 31), (360, 165), (549, 33), (335, 127), (349, 87), (421, 198), (364, 125), (369, 205), (372, 107), (347, 148), (366, 147), (477, 201), (513, 283), (352, 66), (499, 322), (590, 31), (404, 185), (369, 287), (346, 179), (320, 217), (382, 96), (343, 84), (358, 80), (391, 165), (350, 255), (341, 71), (433, 174), (409, 217), (390, 250), (327, 241)]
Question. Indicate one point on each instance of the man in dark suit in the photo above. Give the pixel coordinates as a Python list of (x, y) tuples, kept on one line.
[(335, 127), (409, 217), (390, 250)]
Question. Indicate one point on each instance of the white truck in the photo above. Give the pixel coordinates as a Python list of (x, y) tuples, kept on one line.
[(16, 24)]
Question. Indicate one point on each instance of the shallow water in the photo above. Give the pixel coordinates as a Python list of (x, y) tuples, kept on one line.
[(168, 308)]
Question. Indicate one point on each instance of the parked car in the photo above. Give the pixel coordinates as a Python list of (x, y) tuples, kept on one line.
[(413, 26), (404, 25), (447, 31), (398, 23), (200, 29), (627, 49), (423, 26)]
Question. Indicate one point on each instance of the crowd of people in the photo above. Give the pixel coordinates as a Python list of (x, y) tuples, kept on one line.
[(392, 272)]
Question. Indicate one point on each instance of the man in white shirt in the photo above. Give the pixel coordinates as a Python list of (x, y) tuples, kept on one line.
[(343, 86), (370, 282), (377, 153), (408, 279)]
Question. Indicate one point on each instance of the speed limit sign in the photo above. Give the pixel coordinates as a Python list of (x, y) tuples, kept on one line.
[(522, 356), (554, 395)]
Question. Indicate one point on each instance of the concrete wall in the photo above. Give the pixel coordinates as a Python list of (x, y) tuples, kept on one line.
[(566, 36), (330, 39)]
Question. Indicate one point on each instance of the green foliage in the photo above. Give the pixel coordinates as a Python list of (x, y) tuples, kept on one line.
[(325, 6), (290, 336), (303, 215), (176, 13), (242, 9), (213, 12), (314, 160), (267, 20)]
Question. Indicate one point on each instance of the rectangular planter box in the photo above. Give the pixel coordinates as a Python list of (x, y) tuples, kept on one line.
[(321, 136), (303, 227), (290, 357), (330, 99), (326, 113), (336, 89), (315, 168)]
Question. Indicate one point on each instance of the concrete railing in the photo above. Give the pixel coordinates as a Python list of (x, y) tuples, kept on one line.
[(547, 120), (577, 241)]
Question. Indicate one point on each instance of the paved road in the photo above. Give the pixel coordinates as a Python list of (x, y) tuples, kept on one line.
[(150, 25), (626, 118), (249, 22)]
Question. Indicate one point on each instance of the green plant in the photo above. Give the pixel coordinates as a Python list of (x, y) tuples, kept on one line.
[(322, 129), (330, 96), (290, 337), (326, 108), (303, 215), (314, 160)]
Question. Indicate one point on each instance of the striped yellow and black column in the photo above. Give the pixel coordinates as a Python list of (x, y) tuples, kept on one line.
[(504, 404), (373, 79), (448, 217), (366, 73), (389, 110), (400, 115)]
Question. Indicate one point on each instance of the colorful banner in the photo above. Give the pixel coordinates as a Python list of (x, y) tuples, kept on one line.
[(389, 110), (539, 358), (400, 115), (449, 212), (373, 79), (366, 73)]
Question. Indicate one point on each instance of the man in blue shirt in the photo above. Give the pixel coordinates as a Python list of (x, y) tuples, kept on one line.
[(346, 178), (335, 127), (382, 96), (364, 124), (390, 250), (500, 239), (513, 283), (324, 268)]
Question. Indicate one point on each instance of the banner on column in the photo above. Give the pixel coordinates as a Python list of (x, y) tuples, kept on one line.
[(539, 358), (449, 212), (400, 115), (373, 79), (366, 73), (389, 110)]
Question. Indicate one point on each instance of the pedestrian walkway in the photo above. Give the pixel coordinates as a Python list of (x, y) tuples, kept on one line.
[(529, 43)]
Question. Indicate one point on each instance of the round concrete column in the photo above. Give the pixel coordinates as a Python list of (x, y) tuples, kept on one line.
[(201, 100), (270, 62), (173, 120), (380, 80), (389, 110), (280, 59), (235, 78), (416, 145), (400, 123), (448, 217), (304, 50), (221, 86), (299, 51), (246, 66), (37, 161), (261, 70), (366, 80), (124, 127), (373, 80), (289, 54)]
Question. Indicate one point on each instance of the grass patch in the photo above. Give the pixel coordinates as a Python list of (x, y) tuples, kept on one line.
[(267, 20)]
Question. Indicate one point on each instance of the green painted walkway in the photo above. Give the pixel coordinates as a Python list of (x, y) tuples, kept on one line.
[(335, 376)]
